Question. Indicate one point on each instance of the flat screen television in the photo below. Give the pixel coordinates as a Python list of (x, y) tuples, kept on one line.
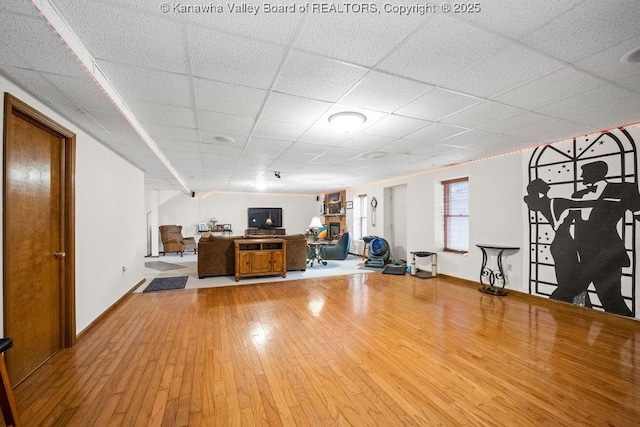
[(258, 217)]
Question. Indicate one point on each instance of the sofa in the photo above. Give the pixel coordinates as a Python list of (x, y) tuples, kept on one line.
[(216, 254)]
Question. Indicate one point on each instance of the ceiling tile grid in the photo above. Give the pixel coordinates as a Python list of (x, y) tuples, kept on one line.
[(436, 89)]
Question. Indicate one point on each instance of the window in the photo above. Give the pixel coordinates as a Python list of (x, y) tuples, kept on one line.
[(456, 215), (360, 216)]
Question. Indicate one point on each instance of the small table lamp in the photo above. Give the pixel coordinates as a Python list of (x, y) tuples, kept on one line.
[(315, 225)]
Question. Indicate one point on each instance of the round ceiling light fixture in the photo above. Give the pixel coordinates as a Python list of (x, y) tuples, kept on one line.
[(633, 56), (347, 121)]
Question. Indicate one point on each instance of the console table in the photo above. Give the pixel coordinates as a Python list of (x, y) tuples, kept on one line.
[(492, 280), (260, 257)]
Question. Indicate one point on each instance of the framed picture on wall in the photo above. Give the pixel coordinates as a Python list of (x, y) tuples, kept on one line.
[(349, 204)]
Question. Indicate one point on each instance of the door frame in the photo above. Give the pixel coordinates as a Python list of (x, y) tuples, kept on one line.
[(14, 106)]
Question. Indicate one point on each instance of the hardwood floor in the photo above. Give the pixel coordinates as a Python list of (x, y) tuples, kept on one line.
[(367, 349)]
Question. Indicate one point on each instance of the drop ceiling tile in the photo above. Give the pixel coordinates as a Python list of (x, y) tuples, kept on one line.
[(144, 84), (507, 69), (324, 135), (278, 130), (266, 26), (286, 159), (402, 146), (550, 88), (631, 82), (8, 58), (306, 148), (172, 144), (515, 123), (19, 6), (228, 98), (35, 42), (225, 123), (607, 63), (267, 144), (611, 116), (584, 27), (319, 78), (82, 92), (437, 104), (516, 19), (110, 121), (225, 58), (366, 142), (443, 48), (174, 155), (384, 92), (293, 109), (395, 126), (37, 84), (558, 130), (340, 154), (128, 36), (481, 114), (434, 132), (169, 132), (168, 115), (232, 151), (373, 38), (587, 101), (469, 138)]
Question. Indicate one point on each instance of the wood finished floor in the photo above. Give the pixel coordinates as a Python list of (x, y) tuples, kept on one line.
[(347, 350)]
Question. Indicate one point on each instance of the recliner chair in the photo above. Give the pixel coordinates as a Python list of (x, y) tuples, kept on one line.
[(173, 241), (340, 250)]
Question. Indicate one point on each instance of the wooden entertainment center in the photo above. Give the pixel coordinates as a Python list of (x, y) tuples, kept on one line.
[(260, 257)]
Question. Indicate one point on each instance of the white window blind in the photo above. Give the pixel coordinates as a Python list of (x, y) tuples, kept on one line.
[(456, 215)]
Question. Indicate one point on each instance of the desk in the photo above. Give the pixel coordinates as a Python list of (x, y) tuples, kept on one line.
[(316, 254), (488, 275)]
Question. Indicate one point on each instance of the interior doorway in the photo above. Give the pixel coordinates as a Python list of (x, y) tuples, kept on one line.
[(38, 237), (395, 214)]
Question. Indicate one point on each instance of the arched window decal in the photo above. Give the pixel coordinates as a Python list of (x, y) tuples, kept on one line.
[(562, 207)]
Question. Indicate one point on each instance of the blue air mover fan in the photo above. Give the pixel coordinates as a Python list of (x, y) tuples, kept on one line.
[(379, 251)]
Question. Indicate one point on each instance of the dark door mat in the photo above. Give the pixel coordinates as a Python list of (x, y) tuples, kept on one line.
[(162, 266), (166, 283), (398, 270)]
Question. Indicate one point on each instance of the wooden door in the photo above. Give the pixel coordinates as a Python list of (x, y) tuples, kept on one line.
[(244, 262), (278, 261), (261, 262), (37, 293)]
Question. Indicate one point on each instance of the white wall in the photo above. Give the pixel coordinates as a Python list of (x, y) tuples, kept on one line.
[(495, 214), (231, 208), (109, 219)]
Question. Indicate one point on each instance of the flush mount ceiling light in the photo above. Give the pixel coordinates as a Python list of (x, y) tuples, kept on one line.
[(632, 56), (347, 121)]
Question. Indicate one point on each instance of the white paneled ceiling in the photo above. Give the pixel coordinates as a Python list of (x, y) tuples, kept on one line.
[(232, 97)]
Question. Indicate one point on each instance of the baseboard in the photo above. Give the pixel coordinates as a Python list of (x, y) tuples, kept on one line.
[(108, 311)]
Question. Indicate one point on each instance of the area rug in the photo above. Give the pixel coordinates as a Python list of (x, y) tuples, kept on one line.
[(166, 283), (162, 266), (398, 270)]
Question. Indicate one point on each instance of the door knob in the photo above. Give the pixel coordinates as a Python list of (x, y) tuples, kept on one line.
[(59, 254)]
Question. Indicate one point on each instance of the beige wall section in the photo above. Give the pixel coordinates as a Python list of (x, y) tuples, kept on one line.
[(231, 208), (109, 219)]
